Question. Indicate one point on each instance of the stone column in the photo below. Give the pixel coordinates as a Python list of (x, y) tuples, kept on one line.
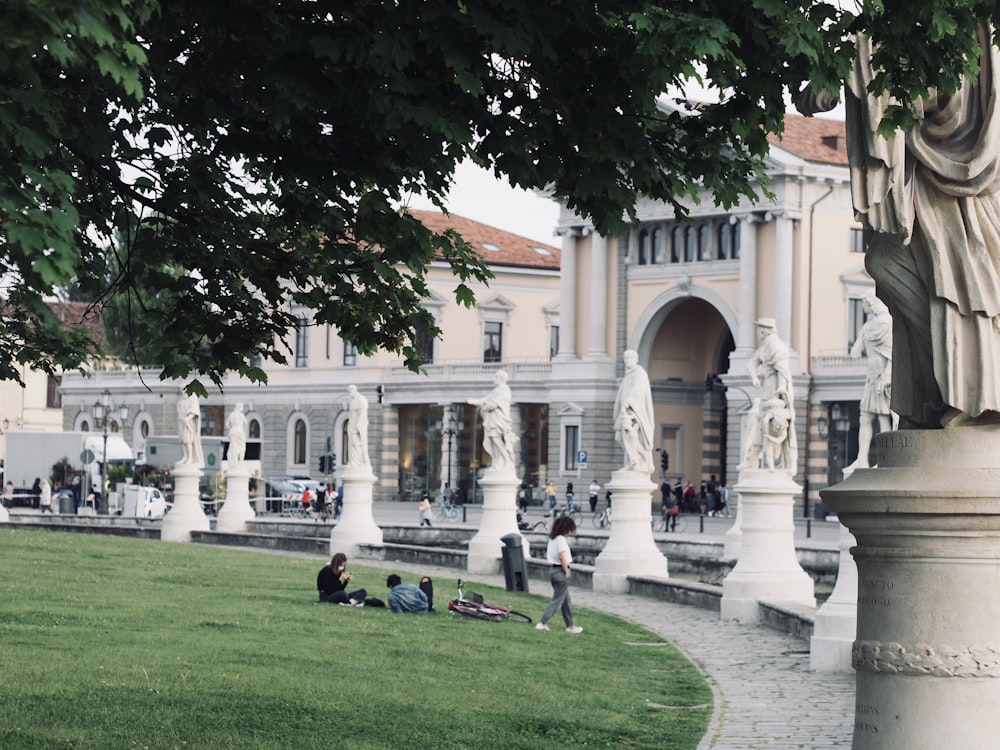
[(768, 568), (783, 275), (598, 347), (357, 521), (630, 550), (236, 511), (927, 651), (747, 227), (186, 515), (837, 620), (734, 536), (567, 296), (499, 519)]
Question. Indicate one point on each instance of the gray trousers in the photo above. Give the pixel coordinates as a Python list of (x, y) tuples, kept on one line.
[(560, 597)]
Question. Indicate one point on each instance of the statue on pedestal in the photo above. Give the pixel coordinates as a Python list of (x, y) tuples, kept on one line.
[(498, 433), (634, 416), (189, 430), (929, 200), (236, 428), (770, 432), (874, 345), (357, 429)]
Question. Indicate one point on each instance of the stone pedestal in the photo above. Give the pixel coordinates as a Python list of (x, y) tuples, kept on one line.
[(734, 537), (186, 515), (630, 550), (927, 651), (767, 568), (836, 621), (4, 515), (236, 511), (499, 519), (357, 521)]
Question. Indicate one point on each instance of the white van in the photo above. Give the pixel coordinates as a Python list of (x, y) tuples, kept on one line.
[(143, 502)]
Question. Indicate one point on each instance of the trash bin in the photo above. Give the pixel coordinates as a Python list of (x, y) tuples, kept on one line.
[(515, 571), (66, 504)]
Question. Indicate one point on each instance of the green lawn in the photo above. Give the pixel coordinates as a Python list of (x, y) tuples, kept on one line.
[(120, 643)]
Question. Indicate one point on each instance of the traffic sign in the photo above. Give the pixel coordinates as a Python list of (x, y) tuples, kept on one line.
[(581, 457)]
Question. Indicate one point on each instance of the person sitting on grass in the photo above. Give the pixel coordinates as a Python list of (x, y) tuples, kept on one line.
[(405, 597), (332, 583)]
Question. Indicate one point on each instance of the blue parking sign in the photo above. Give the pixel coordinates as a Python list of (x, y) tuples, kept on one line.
[(581, 457)]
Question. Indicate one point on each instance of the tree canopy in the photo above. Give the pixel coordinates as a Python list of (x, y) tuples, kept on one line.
[(216, 170)]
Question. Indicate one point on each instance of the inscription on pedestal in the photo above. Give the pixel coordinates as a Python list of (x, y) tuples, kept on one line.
[(890, 440), (875, 592), (866, 718)]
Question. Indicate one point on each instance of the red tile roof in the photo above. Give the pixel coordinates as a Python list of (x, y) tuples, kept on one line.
[(81, 315), (814, 139), (497, 247)]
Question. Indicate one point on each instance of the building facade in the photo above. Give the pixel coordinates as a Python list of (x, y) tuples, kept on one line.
[(683, 293)]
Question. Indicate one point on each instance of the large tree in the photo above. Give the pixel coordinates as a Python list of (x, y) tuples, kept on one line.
[(217, 168)]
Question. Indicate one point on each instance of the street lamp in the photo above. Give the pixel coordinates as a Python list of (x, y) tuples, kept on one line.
[(103, 411), (449, 428)]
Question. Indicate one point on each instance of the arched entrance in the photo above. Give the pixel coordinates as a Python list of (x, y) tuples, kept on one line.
[(691, 339)]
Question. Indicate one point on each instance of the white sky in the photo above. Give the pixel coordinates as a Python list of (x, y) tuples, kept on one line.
[(480, 196)]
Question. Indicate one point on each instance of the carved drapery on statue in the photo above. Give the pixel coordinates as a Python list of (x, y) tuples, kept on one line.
[(930, 203), (634, 416), (498, 433)]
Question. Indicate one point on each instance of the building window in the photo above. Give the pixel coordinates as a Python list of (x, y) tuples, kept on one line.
[(302, 342), (855, 320), (213, 417), (253, 429), (857, 241), (690, 243), (643, 247), (299, 440), (492, 341), (571, 446), (425, 345), (350, 354), (656, 247), (676, 244), (52, 398), (553, 341)]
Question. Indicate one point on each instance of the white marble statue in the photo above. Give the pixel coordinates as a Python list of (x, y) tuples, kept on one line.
[(770, 433), (498, 433), (189, 430), (874, 346), (633, 415), (929, 201), (357, 429), (236, 428)]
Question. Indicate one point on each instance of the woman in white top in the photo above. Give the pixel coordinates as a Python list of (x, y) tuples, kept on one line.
[(560, 557)]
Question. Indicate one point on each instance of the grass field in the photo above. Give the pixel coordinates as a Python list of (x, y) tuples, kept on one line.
[(120, 643)]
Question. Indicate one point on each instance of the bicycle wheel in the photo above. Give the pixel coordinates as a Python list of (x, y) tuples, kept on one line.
[(518, 616), (598, 520), (659, 524), (540, 526), (681, 524), (576, 515)]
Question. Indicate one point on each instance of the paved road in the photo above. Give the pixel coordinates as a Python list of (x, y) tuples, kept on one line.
[(808, 533)]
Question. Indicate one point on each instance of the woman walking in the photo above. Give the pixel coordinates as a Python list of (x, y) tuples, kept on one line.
[(559, 558)]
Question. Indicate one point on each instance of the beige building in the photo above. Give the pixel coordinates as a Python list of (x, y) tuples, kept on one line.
[(422, 432), (683, 294)]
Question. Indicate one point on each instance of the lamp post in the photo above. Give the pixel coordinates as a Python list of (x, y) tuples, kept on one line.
[(449, 428), (104, 412)]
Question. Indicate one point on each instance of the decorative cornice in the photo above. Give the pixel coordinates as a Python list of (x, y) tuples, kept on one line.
[(925, 660)]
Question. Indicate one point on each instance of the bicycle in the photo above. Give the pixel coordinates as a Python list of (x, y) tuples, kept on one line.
[(663, 521), (475, 607), (551, 515), (602, 519), (449, 511)]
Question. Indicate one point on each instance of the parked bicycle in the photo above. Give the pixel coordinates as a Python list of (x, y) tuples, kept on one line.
[(602, 519), (550, 515), (665, 522), (476, 608), (449, 511)]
